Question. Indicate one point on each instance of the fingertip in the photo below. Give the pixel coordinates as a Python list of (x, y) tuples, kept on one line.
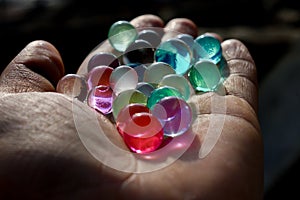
[(147, 20), (242, 80), (182, 25), (43, 58), (235, 49), (215, 35)]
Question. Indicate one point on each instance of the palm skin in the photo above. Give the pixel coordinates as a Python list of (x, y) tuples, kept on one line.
[(42, 156)]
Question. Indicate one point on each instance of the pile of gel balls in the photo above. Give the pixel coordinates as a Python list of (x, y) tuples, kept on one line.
[(146, 87)]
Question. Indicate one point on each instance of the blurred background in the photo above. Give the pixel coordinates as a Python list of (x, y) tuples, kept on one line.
[(269, 28)]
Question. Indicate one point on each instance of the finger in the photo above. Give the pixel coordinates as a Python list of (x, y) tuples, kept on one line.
[(147, 20), (36, 68), (242, 79), (140, 22), (180, 25)]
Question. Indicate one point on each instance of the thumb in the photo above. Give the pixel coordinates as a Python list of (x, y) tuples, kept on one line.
[(38, 67)]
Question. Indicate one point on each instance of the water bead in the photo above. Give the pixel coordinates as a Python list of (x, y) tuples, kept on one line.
[(148, 95), (73, 85), (151, 36), (123, 78), (204, 76), (143, 133), (127, 112), (179, 82), (208, 47), (140, 51), (176, 53), (103, 58), (99, 75), (101, 99), (121, 35), (160, 93), (145, 88), (156, 71), (174, 114), (188, 39), (127, 97), (140, 70)]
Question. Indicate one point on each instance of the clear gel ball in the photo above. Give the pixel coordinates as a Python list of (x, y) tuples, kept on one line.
[(73, 85), (123, 78)]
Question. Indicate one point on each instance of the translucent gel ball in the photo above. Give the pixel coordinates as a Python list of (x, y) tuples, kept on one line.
[(174, 114), (99, 76), (160, 93), (176, 53), (127, 112), (143, 133), (121, 35), (101, 99), (204, 76), (123, 78), (127, 97)]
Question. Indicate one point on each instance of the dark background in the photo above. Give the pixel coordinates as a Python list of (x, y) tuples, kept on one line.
[(270, 30)]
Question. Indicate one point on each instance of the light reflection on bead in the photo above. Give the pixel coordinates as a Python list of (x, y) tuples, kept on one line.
[(151, 36), (179, 82), (143, 133), (73, 85), (127, 97), (103, 58), (101, 99), (121, 35), (99, 75), (174, 114), (176, 53), (123, 78), (204, 76), (188, 39)]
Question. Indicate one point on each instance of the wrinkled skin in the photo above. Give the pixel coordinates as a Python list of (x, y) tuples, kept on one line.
[(42, 157)]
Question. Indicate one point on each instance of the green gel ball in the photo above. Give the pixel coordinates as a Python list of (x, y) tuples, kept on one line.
[(208, 47), (160, 93), (204, 76), (179, 82), (121, 35)]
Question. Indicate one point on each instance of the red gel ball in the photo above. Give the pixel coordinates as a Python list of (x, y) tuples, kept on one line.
[(127, 112), (143, 133)]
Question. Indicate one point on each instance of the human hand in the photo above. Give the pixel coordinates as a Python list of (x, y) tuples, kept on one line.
[(42, 156)]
